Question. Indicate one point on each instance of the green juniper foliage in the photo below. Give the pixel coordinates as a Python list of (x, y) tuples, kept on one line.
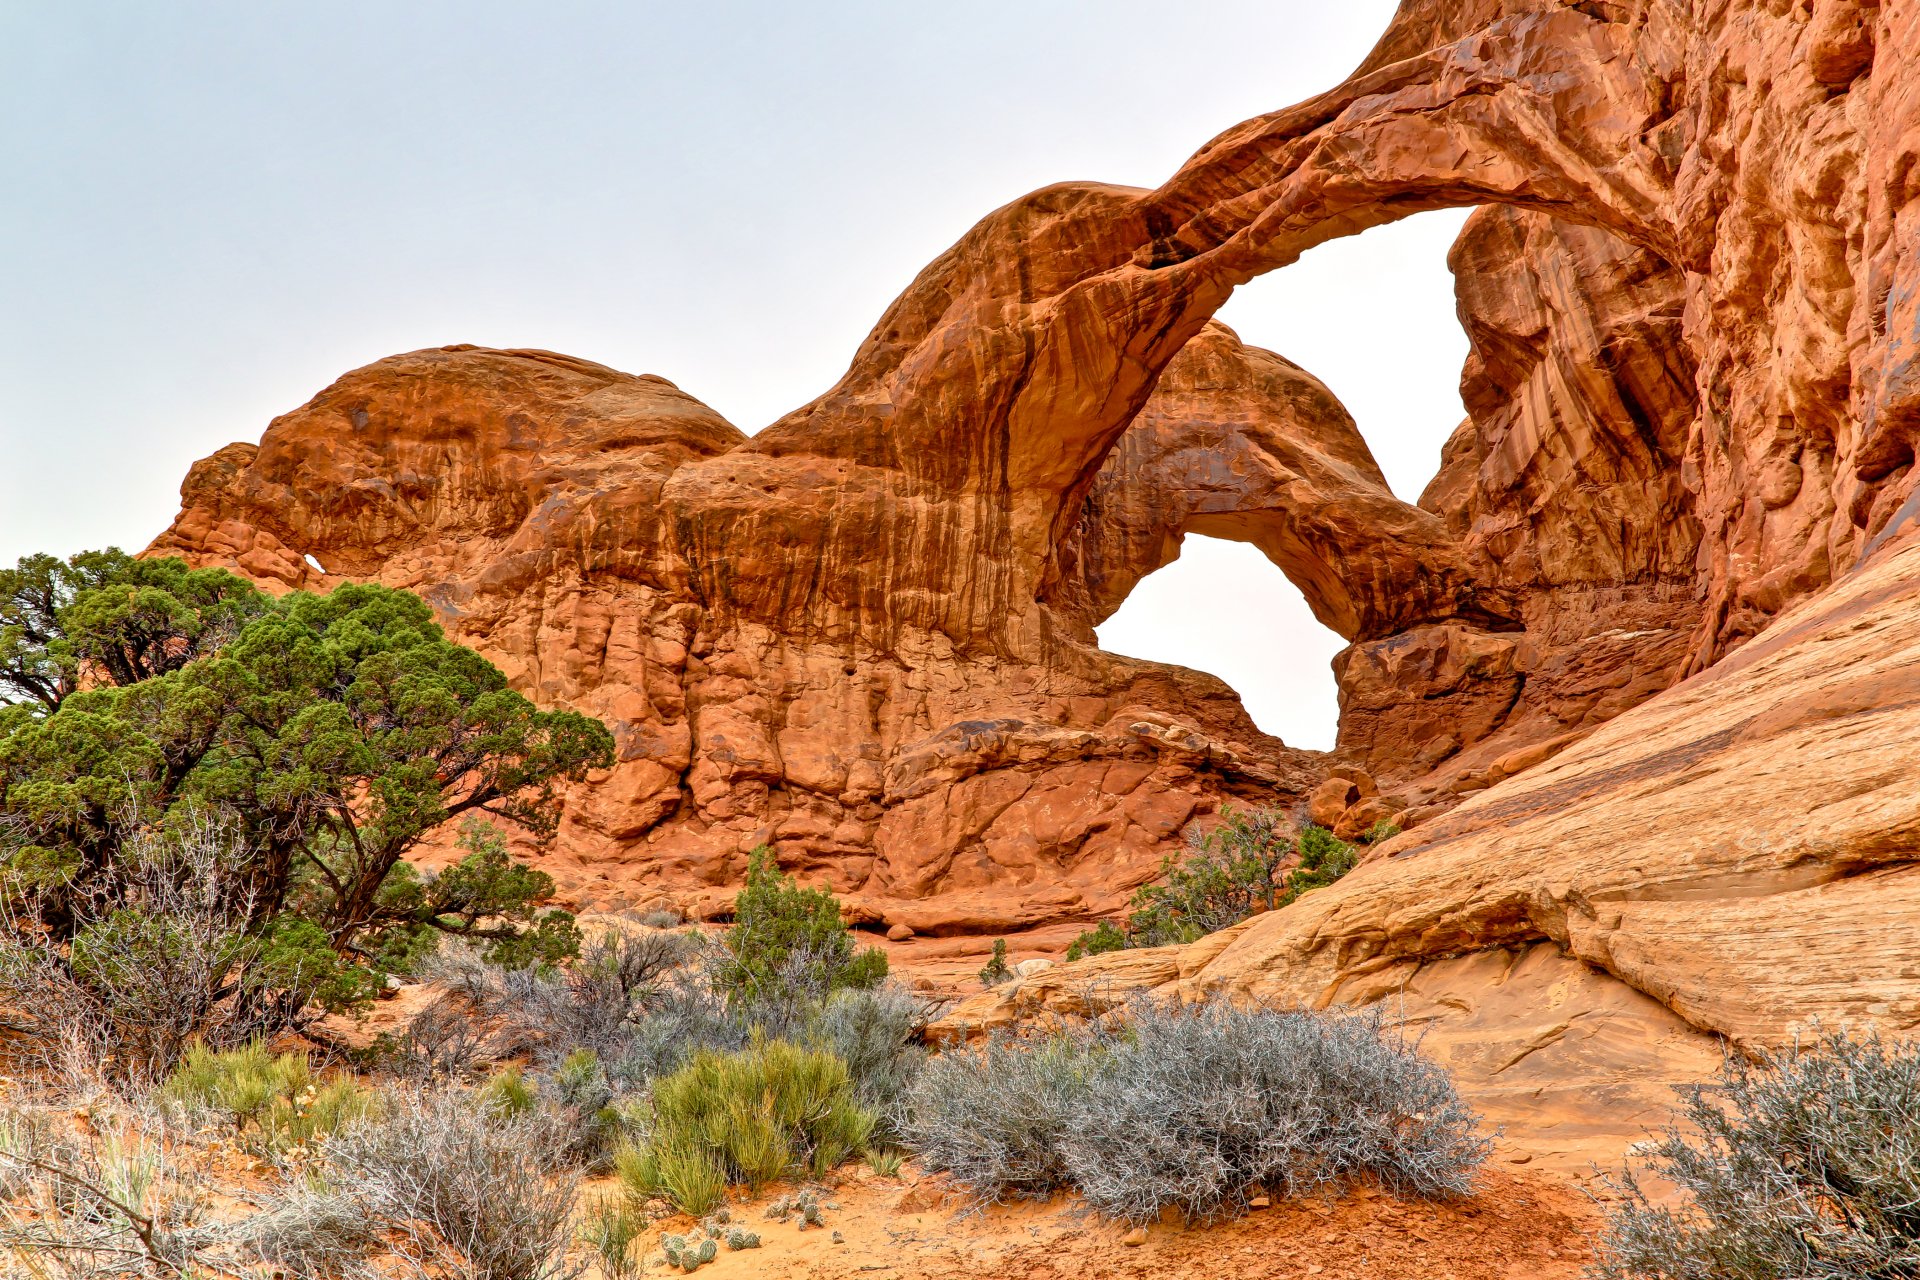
[(997, 970), (1103, 937), (325, 735), (1248, 863), (104, 616), (775, 922)]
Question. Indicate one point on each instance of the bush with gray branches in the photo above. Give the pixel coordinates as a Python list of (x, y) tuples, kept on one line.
[(441, 1187), (108, 1202), (166, 959), (1191, 1107), (644, 1002), (1803, 1164), (639, 1005)]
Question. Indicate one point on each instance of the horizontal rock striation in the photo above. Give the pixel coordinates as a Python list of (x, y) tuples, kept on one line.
[(1651, 620)]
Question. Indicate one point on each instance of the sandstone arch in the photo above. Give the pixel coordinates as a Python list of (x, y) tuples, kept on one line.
[(1243, 444), (986, 399), (864, 635)]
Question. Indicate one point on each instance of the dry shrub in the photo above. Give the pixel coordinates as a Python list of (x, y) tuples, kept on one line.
[(161, 958), (1191, 1107), (444, 1185), (1801, 1165), (108, 1202)]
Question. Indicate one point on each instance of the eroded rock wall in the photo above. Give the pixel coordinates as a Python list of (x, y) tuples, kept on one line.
[(865, 634), (552, 511)]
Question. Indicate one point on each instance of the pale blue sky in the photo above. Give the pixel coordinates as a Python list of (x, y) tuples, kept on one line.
[(211, 209)]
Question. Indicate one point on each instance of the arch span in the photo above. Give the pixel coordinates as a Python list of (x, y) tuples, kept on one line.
[(978, 413), (1243, 444)]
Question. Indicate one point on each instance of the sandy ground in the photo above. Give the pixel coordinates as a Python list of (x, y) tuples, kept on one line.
[(1518, 1227), (1522, 1223)]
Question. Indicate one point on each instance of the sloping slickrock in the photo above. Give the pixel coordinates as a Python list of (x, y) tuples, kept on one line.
[(1742, 847), (1573, 1064)]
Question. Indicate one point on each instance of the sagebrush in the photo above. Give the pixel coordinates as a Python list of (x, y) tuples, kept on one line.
[(1801, 1163), (1190, 1107)]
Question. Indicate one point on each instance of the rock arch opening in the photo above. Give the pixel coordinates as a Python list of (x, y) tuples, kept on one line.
[(1222, 608), (1373, 316)]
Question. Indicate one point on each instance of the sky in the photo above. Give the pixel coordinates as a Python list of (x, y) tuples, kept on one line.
[(213, 209)]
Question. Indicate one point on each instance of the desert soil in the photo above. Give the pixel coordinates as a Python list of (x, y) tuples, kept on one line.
[(1519, 1226)]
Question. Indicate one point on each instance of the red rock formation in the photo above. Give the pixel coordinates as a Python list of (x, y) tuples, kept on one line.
[(551, 511), (865, 634), (1242, 444)]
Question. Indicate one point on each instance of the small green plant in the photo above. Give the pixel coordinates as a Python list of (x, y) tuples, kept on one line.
[(682, 1173), (740, 1238), (885, 1161), (610, 1228), (275, 1103), (1247, 863), (997, 969), (750, 1117), (1323, 859), (775, 924), (689, 1253), (1107, 936), (507, 1092)]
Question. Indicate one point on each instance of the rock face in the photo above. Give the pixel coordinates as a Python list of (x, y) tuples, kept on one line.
[(865, 635), (1736, 856), (556, 514)]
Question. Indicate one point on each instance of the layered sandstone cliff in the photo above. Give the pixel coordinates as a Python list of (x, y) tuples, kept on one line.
[(865, 635)]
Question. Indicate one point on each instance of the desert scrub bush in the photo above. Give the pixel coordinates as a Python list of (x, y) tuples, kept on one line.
[(455, 1188), (275, 1103), (750, 1117), (1196, 1103), (997, 1116), (573, 1111), (1189, 1107), (683, 1173), (1249, 862), (164, 956), (310, 1230), (109, 1203), (609, 1229), (775, 920), (602, 1001), (660, 918), (1802, 1163), (875, 1032)]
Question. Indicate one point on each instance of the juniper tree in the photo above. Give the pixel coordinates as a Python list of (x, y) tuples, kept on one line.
[(326, 735)]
